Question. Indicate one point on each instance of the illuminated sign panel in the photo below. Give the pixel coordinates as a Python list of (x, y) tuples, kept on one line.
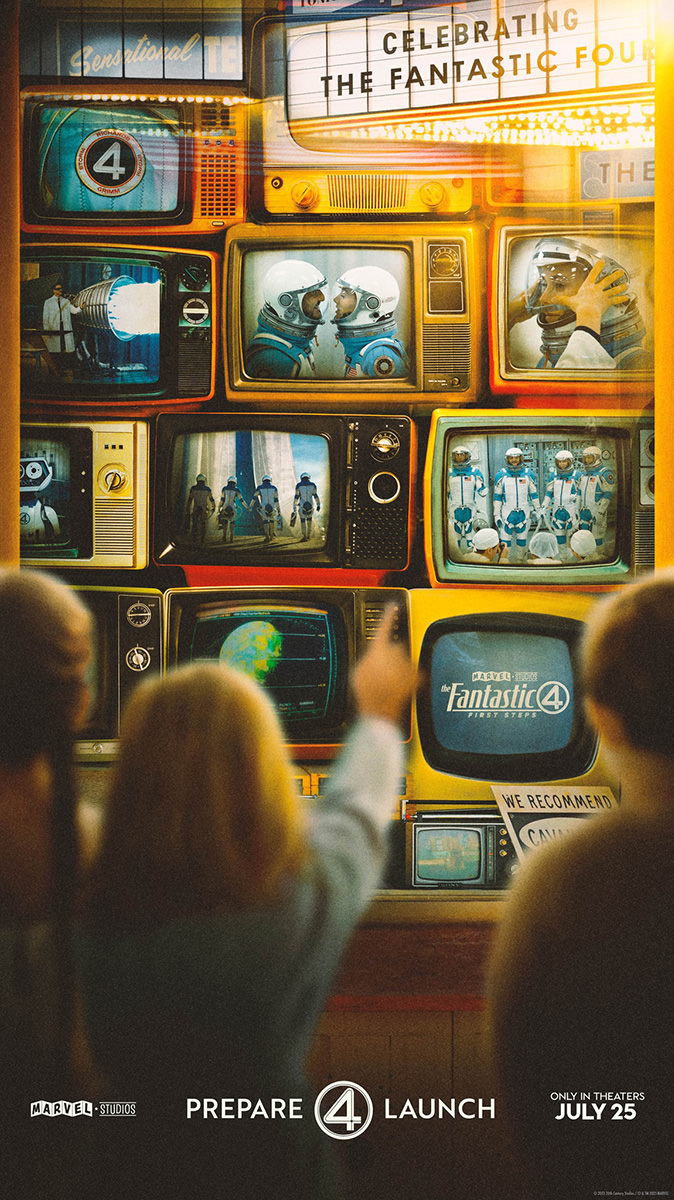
[(491, 50)]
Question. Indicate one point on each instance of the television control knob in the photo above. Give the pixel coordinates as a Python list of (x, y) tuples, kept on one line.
[(385, 444), (304, 195), (113, 479), (139, 614), (138, 658), (194, 277), (196, 311), (432, 194), (384, 488)]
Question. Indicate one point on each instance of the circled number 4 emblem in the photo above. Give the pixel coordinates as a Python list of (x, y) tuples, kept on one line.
[(343, 1110), (110, 162)]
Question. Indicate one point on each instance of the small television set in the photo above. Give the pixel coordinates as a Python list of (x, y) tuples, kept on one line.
[(537, 348), (241, 495), (568, 497), (128, 645), (348, 162), (367, 313), (123, 163), (501, 701), (300, 644), (466, 852), (84, 494), (116, 327)]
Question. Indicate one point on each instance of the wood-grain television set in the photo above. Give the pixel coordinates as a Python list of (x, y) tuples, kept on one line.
[(570, 471), (155, 161), (128, 646), (303, 496), (299, 643), (363, 314), (117, 328), (537, 353), (84, 494)]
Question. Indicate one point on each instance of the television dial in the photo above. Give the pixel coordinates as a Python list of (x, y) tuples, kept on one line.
[(384, 488), (196, 311), (445, 261), (138, 659), (113, 479), (139, 614), (194, 277), (385, 444)]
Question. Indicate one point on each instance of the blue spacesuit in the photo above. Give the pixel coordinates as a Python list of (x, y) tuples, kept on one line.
[(366, 326), (596, 484), (465, 488), (515, 495), (560, 504), (287, 322)]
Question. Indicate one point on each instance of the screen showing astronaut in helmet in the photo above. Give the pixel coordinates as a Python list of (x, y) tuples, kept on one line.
[(326, 313), (531, 499), (244, 489), (581, 301)]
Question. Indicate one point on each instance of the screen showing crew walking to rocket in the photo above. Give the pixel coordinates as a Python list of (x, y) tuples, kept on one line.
[(250, 488), (531, 498), (326, 313), (89, 322)]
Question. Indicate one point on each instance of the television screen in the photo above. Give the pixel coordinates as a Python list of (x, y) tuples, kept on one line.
[(542, 277), (118, 323), (502, 700), (327, 313), (232, 491), (446, 854), (299, 642), (553, 497), (55, 494), (297, 654)]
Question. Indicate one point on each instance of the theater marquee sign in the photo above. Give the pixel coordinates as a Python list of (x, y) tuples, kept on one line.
[(468, 53)]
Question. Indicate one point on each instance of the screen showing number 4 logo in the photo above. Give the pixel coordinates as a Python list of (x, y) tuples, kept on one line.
[(343, 1110)]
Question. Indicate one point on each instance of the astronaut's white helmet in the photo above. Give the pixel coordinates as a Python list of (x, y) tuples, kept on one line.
[(231, 480), (564, 462), (514, 460), (377, 294), (285, 286), (591, 457), (461, 458), (561, 263)]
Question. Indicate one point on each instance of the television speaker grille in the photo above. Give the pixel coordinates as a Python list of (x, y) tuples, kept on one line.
[(367, 193), (114, 524), (220, 165)]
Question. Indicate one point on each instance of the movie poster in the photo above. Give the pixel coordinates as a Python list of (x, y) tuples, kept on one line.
[(273, 979)]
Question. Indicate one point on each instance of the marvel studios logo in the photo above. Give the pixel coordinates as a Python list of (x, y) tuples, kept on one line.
[(82, 1108)]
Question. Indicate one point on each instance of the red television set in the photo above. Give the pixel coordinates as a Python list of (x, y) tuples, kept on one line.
[(241, 496), (339, 161), (568, 497), (84, 494), (300, 644), (499, 713), (116, 328), (538, 351), (364, 314), (131, 164), (128, 646)]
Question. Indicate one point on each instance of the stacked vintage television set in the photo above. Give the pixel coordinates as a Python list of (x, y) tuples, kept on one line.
[(299, 338)]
